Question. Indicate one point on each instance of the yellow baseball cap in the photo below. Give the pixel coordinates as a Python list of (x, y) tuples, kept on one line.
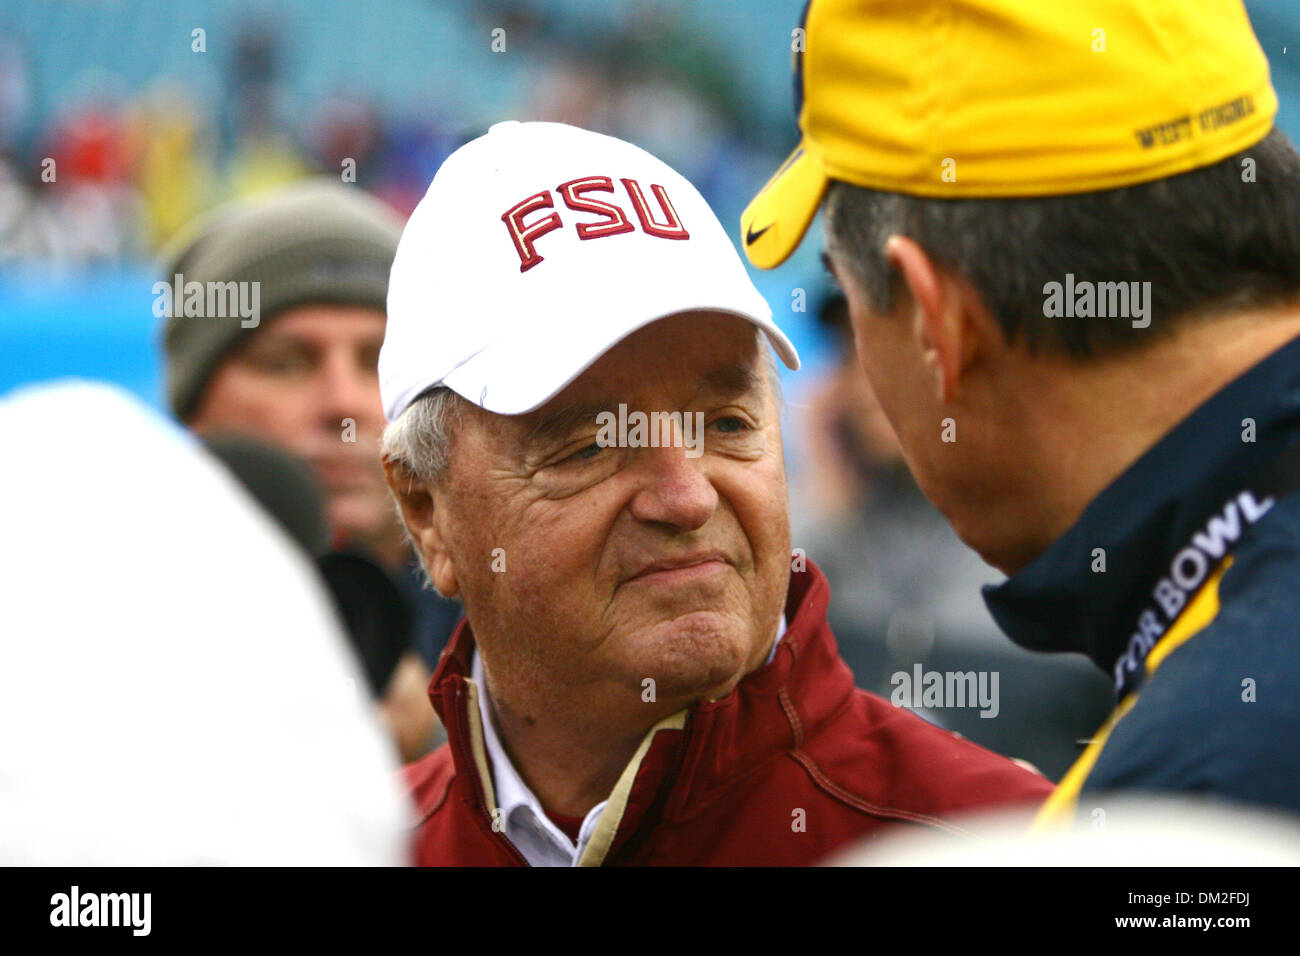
[(1003, 98)]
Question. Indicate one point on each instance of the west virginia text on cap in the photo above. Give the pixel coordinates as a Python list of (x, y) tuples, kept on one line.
[(1002, 98)]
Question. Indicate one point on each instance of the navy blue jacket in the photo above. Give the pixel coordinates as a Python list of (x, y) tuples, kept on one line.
[(1207, 519)]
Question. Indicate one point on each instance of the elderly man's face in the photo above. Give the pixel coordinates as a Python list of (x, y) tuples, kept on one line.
[(618, 564)]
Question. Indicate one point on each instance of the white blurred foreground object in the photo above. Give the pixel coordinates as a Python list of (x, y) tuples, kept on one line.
[(1120, 831), (173, 686)]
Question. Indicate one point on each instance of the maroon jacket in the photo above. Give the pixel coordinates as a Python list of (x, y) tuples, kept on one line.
[(725, 781)]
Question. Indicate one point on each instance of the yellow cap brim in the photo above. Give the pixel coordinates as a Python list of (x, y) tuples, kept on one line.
[(775, 222)]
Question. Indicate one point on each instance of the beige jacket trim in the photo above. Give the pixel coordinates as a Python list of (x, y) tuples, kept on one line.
[(603, 836), (479, 749)]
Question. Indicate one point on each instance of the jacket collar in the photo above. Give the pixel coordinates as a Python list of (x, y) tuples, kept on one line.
[(1146, 516), (697, 748)]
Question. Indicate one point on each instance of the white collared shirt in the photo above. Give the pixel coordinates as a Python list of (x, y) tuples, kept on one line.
[(526, 824)]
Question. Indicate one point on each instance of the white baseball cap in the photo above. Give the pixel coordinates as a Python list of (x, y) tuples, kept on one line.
[(537, 248)]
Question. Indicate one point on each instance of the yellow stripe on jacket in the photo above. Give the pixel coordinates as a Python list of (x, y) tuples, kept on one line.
[(1060, 807)]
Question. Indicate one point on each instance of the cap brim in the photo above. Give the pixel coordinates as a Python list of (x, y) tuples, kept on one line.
[(531, 369), (774, 224)]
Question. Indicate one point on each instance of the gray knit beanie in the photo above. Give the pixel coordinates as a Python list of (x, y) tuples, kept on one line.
[(315, 242)]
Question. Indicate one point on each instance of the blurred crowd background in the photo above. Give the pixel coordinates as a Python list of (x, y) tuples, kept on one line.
[(119, 123)]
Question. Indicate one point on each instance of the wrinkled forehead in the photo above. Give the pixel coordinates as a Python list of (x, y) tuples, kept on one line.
[(678, 359)]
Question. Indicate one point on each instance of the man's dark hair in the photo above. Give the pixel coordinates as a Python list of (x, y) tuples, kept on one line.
[(1211, 241)]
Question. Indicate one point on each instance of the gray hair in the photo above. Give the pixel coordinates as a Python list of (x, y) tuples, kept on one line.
[(419, 440), (1210, 241)]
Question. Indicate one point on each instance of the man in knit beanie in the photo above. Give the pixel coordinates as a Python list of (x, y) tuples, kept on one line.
[(313, 261), (275, 313)]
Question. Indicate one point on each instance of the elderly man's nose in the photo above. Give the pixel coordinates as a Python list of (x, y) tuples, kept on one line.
[(674, 489)]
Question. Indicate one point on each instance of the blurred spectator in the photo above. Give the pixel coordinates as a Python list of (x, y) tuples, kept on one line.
[(174, 161), (857, 454), (298, 369), (409, 155), (265, 154), (28, 229), (345, 127), (89, 192)]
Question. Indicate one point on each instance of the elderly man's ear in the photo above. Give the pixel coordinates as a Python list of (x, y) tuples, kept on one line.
[(415, 499), (945, 315)]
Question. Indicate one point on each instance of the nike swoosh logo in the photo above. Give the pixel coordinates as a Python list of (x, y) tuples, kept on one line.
[(752, 237)]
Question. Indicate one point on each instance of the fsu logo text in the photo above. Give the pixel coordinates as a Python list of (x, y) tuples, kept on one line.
[(575, 194)]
